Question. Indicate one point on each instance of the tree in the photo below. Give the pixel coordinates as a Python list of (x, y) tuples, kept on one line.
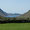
[(27, 18)]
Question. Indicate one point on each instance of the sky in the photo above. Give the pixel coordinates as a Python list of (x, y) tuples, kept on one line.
[(15, 6)]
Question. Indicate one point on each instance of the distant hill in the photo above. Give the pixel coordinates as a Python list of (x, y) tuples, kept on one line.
[(2, 13), (10, 14)]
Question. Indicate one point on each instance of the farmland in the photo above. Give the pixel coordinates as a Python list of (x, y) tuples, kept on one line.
[(15, 26)]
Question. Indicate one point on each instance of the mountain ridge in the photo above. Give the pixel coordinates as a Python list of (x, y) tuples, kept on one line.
[(2, 13)]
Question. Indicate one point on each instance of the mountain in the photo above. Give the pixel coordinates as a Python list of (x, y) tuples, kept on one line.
[(24, 16), (2, 13), (27, 14)]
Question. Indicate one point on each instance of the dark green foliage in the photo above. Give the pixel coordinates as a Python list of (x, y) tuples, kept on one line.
[(27, 18)]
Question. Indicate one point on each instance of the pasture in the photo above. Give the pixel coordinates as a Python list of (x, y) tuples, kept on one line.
[(15, 26)]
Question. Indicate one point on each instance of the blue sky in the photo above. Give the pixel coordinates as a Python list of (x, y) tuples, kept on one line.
[(15, 6)]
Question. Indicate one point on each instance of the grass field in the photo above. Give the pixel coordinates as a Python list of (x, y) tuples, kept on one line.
[(15, 26)]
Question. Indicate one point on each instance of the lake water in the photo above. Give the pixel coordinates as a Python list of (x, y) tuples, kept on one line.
[(12, 16)]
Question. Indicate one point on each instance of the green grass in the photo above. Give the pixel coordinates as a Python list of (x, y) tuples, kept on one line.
[(15, 26)]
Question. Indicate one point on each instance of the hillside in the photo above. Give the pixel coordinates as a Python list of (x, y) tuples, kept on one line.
[(2, 13), (24, 16)]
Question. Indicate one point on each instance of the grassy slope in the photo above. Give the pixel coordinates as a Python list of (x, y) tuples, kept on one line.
[(15, 26)]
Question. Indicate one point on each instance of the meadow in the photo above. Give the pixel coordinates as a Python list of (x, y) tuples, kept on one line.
[(15, 26)]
